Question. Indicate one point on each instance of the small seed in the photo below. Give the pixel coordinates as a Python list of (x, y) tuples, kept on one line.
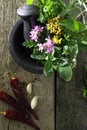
[(34, 102)]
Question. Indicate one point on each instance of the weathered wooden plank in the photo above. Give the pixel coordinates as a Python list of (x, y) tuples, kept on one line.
[(71, 108), (42, 86)]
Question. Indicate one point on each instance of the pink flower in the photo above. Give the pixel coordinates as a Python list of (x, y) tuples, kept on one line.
[(38, 28), (40, 47), (34, 33), (49, 45), (34, 36)]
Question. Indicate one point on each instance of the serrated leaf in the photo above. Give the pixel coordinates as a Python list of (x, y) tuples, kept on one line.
[(65, 72), (29, 44)]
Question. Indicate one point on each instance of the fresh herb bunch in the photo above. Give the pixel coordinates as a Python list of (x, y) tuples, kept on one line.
[(61, 32)]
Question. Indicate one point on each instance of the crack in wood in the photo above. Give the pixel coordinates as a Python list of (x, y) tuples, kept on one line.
[(55, 101), (8, 126)]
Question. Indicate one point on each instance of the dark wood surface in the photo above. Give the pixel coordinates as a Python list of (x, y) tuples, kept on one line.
[(71, 107), (42, 86)]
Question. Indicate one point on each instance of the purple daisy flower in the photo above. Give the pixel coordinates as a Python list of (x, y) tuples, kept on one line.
[(34, 33)]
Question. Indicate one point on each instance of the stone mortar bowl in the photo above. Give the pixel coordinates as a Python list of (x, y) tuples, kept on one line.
[(21, 54)]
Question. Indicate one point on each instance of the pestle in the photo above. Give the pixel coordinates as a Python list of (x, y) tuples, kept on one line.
[(28, 14)]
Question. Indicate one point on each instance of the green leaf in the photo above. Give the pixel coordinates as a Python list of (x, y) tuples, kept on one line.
[(29, 2), (84, 42), (65, 72), (29, 44), (62, 3), (72, 2), (56, 67), (48, 5), (73, 25), (71, 50), (41, 18), (58, 50), (84, 38), (83, 47), (48, 68), (43, 1), (48, 2), (38, 55), (64, 12), (84, 92)]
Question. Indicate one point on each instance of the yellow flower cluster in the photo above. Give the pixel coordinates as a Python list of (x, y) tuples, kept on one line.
[(56, 39), (55, 29), (86, 1), (53, 26)]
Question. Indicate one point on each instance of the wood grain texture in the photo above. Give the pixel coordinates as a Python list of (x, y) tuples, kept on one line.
[(71, 107), (42, 86)]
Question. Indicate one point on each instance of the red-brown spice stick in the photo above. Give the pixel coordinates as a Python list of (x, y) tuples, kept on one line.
[(14, 115), (15, 85), (13, 102)]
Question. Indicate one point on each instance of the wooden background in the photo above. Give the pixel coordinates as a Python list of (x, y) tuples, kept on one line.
[(42, 86), (71, 108)]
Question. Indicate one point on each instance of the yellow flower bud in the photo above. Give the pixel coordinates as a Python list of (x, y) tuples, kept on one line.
[(56, 40)]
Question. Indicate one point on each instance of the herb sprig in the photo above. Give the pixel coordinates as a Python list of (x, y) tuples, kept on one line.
[(61, 32)]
